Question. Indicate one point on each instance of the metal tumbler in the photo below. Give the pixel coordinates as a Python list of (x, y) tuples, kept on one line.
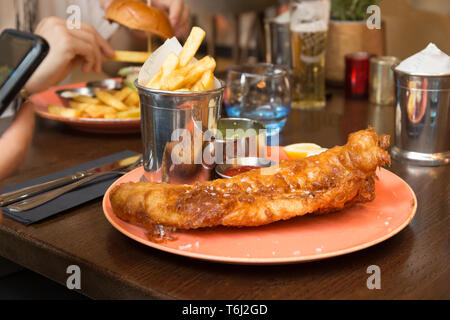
[(381, 80), (173, 126), (422, 128)]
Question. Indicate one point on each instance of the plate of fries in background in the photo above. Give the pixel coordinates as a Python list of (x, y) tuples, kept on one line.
[(106, 111), (118, 110)]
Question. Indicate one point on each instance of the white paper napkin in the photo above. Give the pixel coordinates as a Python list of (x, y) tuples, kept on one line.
[(429, 61)]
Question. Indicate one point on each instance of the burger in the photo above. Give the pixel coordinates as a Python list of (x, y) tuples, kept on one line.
[(136, 15)]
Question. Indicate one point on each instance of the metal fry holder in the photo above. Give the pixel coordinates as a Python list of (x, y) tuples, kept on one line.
[(422, 119)]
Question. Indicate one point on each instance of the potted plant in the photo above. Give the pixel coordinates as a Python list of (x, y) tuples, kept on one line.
[(348, 33)]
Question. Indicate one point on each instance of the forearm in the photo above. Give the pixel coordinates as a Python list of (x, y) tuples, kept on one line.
[(15, 141)]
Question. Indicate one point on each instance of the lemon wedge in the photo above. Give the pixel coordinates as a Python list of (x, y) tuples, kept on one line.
[(302, 150)]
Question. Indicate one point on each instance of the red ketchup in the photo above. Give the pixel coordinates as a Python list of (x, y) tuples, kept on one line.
[(238, 170)]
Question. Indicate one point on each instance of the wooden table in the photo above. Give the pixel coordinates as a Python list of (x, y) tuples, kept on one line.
[(414, 263)]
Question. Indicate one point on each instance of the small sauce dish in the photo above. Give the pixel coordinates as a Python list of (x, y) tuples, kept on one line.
[(237, 166)]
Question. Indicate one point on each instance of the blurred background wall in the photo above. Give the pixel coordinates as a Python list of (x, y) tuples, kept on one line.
[(412, 24)]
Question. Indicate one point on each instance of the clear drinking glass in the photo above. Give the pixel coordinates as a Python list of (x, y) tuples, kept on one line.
[(259, 92), (309, 26), (278, 40)]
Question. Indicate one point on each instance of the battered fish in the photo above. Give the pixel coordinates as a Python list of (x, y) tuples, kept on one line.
[(327, 182)]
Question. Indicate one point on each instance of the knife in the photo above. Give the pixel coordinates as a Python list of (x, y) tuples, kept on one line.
[(24, 193)]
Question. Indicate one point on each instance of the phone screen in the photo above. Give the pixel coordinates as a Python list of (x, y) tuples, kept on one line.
[(13, 51)]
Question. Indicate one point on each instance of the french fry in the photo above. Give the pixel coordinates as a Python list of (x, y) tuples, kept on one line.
[(86, 99), (132, 100), (99, 111), (70, 113), (131, 56), (191, 46), (200, 67), (123, 93), (131, 113), (110, 100), (189, 75), (63, 112), (155, 82), (205, 83), (80, 106), (175, 80), (169, 64), (55, 110)]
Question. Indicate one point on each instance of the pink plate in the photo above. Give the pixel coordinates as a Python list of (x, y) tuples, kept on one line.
[(41, 100), (301, 239)]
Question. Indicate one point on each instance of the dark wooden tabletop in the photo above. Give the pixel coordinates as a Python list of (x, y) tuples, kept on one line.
[(414, 264)]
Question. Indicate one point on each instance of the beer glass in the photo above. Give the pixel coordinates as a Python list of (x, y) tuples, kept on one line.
[(309, 26)]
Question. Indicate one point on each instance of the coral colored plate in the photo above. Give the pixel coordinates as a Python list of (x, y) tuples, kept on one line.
[(41, 100), (301, 239)]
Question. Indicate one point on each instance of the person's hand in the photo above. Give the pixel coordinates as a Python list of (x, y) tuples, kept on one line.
[(16, 139), (178, 14), (104, 4), (68, 49)]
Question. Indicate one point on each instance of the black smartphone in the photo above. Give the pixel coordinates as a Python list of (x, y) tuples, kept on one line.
[(20, 55)]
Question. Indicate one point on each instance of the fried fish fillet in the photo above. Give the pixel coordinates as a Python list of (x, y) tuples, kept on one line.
[(327, 182)]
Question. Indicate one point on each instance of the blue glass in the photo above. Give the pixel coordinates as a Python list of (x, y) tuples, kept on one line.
[(274, 117), (259, 92)]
